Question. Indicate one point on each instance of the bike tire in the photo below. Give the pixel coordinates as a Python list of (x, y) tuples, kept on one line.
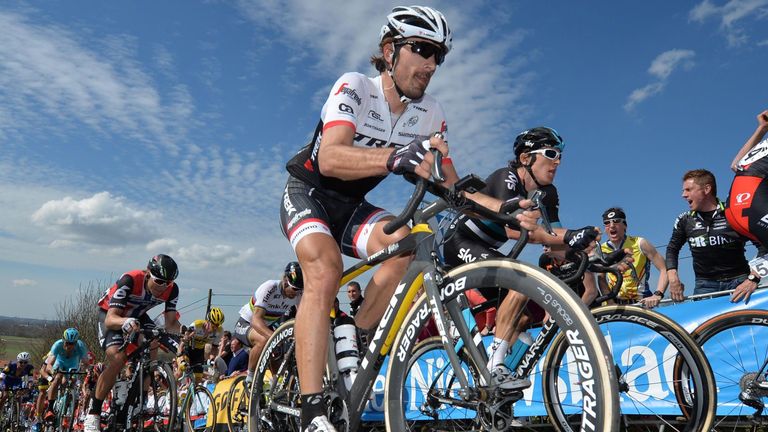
[(198, 400), (157, 418), (736, 344), (542, 289), (644, 383), (237, 412), (281, 388)]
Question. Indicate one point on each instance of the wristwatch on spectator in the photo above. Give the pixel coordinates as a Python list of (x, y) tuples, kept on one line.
[(754, 278), (659, 293)]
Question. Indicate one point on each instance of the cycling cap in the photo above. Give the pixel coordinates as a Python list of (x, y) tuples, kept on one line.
[(294, 275), (23, 357), (71, 335), (536, 138), (163, 267), (614, 213), (215, 316), (418, 21)]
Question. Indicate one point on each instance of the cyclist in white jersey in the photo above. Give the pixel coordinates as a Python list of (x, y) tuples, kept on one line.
[(271, 300), (369, 127)]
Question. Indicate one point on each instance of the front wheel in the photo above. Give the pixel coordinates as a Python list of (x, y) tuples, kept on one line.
[(736, 344), (414, 403), (197, 406), (237, 406)]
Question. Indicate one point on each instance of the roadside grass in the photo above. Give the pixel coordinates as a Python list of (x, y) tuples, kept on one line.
[(15, 344)]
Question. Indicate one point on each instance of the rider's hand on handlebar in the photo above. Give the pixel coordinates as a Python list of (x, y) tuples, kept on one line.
[(528, 219), (415, 157), (582, 238), (131, 325)]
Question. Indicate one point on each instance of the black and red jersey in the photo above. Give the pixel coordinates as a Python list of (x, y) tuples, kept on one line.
[(130, 293)]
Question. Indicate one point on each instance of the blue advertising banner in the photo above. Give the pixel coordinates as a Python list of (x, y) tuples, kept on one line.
[(648, 377)]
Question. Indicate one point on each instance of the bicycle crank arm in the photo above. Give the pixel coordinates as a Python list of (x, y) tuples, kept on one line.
[(285, 409)]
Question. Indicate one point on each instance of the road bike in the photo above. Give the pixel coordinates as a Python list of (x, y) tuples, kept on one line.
[(65, 402), (146, 399), (197, 402), (429, 291), (12, 418)]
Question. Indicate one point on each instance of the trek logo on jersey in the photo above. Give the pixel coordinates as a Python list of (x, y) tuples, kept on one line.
[(367, 141), (743, 198), (287, 204), (350, 93)]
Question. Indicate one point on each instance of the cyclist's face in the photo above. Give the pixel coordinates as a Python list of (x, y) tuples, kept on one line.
[(413, 72), (288, 289), (69, 346), (545, 169)]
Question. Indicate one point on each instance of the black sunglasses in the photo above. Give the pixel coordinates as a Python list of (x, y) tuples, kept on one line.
[(426, 50), (615, 221)]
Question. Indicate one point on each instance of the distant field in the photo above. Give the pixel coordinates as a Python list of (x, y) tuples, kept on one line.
[(15, 345)]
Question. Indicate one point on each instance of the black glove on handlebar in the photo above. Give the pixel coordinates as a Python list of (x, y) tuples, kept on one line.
[(407, 158), (580, 238)]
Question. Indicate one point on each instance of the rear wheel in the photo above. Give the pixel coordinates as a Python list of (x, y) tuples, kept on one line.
[(664, 378), (411, 404)]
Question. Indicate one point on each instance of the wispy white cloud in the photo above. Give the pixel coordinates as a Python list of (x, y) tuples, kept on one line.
[(24, 282), (730, 14), (661, 68), (98, 220), (203, 256), (51, 69)]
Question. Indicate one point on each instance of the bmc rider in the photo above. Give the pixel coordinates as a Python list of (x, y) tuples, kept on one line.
[(269, 303), (369, 127), (123, 309), (538, 154), (69, 351), (747, 203)]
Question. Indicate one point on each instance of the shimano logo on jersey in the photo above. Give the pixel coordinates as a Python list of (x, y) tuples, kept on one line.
[(411, 122), (350, 93)]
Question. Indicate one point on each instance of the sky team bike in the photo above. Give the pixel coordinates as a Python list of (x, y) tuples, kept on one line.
[(428, 291)]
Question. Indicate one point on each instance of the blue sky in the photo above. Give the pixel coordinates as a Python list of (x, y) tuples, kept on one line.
[(134, 128)]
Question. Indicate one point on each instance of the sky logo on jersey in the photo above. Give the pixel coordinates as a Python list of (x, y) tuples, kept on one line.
[(350, 93)]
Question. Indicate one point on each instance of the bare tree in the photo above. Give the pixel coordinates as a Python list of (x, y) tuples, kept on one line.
[(81, 312)]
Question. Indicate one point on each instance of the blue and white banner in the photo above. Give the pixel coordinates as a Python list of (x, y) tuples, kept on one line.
[(644, 359)]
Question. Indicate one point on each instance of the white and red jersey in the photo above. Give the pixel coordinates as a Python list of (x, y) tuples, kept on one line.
[(131, 295), (357, 101), (269, 296)]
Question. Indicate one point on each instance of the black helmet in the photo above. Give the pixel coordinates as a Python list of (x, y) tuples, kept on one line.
[(163, 267), (293, 275), (536, 138)]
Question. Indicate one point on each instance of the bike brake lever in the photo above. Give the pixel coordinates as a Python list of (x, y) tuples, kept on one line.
[(536, 197)]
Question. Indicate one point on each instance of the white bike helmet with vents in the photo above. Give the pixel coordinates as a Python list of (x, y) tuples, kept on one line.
[(418, 21), (23, 356)]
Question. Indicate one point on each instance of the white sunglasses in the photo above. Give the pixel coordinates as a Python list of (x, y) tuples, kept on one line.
[(549, 153)]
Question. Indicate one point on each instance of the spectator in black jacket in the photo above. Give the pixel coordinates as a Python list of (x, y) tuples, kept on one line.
[(717, 250), (355, 297)]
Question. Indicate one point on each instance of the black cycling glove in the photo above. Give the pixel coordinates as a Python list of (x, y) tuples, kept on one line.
[(580, 238), (407, 158)]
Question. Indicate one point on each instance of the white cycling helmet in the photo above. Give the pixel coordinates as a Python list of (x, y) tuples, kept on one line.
[(418, 21), (23, 356)]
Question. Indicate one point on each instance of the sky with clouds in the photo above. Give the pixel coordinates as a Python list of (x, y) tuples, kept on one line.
[(134, 128)]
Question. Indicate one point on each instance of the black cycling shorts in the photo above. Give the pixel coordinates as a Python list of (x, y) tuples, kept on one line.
[(108, 337)]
